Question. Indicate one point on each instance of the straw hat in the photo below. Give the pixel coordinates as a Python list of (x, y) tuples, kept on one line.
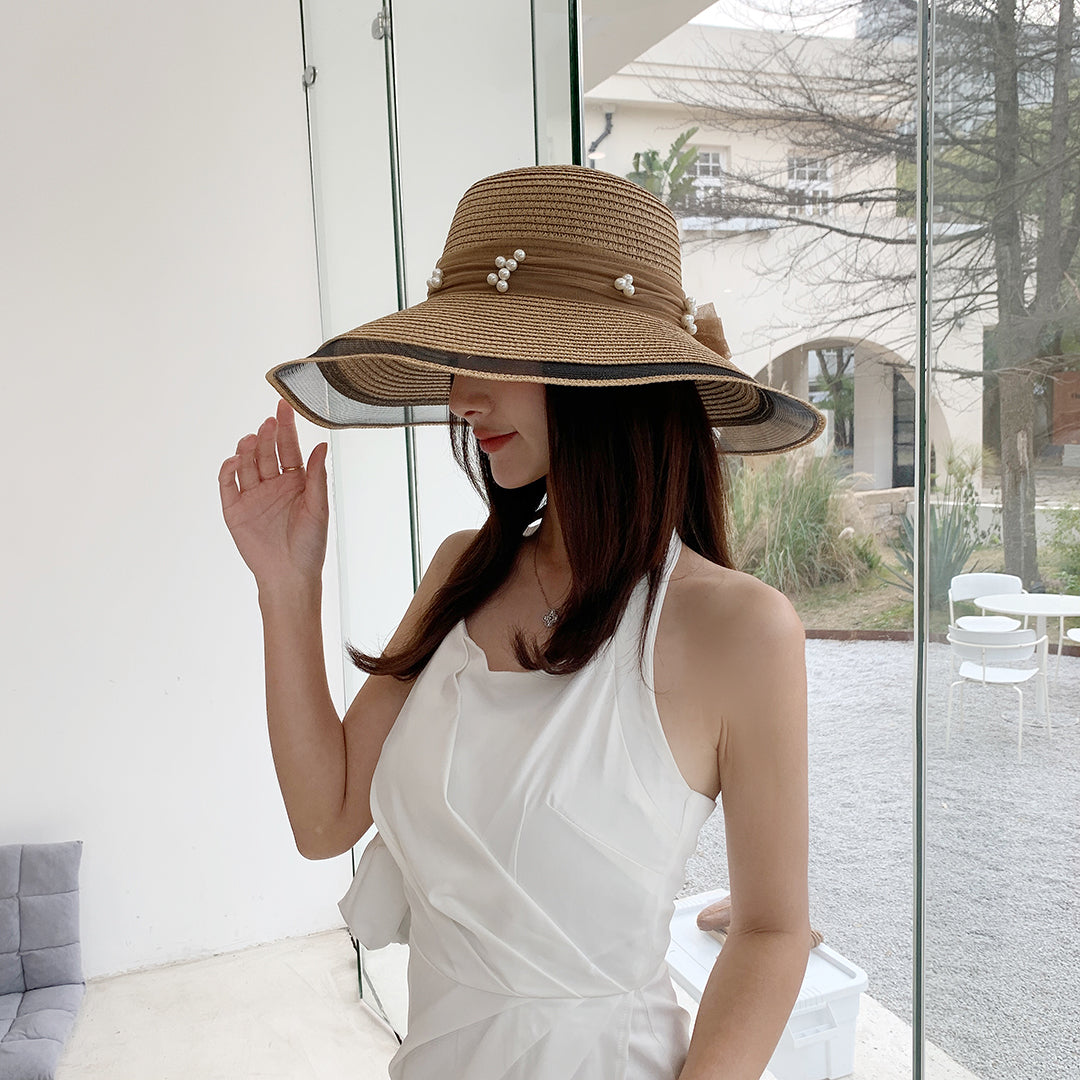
[(554, 274)]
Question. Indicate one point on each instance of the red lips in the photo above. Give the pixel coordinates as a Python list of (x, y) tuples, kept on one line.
[(490, 443)]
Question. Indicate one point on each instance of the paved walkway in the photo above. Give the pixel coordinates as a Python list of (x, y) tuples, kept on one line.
[(1002, 854)]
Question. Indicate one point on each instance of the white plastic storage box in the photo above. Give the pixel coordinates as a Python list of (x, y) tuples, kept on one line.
[(819, 1040)]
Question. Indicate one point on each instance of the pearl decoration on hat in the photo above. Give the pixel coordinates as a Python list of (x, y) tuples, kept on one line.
[(504, 267), (625, 284), (435, 281), (689, 318)]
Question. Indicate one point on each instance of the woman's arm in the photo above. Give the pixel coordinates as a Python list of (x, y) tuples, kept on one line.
[(324, 766), (278, 518), (756, 681)]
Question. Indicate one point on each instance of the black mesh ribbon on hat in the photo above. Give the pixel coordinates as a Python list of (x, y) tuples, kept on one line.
[(411, 389), (407, 384)]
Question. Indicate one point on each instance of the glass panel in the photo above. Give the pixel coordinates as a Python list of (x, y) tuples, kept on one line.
[(778, 153), (555, 82), (357, 282), (465, 110), (406, 113), (451, 129), (357, 248), (1002, 828)]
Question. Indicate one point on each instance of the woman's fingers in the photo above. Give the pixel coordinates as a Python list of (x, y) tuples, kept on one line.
[(288, 441), (316, 491), (230, 493), (256, 457), (265, 449), (247, 471)]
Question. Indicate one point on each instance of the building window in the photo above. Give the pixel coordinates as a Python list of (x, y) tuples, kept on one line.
[(710, 164), (809, 190), (708, 171)]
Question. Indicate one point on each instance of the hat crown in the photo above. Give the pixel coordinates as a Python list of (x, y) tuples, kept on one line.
[(571, 205)]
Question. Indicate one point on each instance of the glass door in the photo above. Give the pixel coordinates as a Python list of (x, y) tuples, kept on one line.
[(763, 131), (1002, 795), (409, 103)]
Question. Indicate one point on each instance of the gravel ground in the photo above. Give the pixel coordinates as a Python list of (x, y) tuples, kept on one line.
[(1002, 854)]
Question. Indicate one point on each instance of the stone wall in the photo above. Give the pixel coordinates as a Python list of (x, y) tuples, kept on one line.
[(877, 512)]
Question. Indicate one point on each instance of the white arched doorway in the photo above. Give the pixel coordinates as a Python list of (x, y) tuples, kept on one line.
[(880, 443)]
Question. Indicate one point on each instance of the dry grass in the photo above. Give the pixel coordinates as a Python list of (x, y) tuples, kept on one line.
[(788, 525)]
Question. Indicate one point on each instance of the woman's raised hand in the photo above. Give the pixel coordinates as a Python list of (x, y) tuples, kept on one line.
[(276, 510)]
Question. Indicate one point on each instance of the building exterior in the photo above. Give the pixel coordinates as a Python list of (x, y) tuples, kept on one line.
[(776, 287)]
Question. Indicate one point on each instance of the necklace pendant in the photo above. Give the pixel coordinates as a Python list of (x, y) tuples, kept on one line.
[(551, 618)]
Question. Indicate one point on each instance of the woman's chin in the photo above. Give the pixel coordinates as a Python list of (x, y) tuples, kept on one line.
[(509, 479)]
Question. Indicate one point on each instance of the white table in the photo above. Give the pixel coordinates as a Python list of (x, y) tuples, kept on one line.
[(1040, 607)]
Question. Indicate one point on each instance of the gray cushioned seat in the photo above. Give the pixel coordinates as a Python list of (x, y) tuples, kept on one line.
[(41, 979)]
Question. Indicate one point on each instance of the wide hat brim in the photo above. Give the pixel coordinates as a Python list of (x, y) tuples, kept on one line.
[(397, 370)]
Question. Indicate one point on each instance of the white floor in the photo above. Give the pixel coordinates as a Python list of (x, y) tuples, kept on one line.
[(291, 1011)]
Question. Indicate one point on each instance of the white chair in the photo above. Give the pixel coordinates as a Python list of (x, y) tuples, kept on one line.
[(982, 655), (1073, 634), (968, 586)]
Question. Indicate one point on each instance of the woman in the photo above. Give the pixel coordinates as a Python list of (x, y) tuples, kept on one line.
[(562, 704)]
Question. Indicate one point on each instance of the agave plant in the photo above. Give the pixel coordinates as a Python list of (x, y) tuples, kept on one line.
[(953, 536), (951, 545)]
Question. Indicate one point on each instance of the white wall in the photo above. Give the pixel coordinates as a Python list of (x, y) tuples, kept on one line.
[(158, 258), (873, 418)]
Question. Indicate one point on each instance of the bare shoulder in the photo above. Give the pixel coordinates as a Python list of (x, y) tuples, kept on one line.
[(730, 650), (439, 569), (448, 553), (714, 611)]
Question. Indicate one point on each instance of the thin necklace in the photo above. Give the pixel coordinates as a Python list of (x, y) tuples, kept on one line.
[(552, 615)]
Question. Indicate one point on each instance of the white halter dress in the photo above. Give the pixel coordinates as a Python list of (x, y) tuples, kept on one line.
[(533, 831)]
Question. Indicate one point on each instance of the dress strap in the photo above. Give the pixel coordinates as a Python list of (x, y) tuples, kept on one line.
[(628, 636), (642, 729), (674, 548)]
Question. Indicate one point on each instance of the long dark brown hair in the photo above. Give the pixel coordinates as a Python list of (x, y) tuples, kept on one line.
[(628, 467)]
